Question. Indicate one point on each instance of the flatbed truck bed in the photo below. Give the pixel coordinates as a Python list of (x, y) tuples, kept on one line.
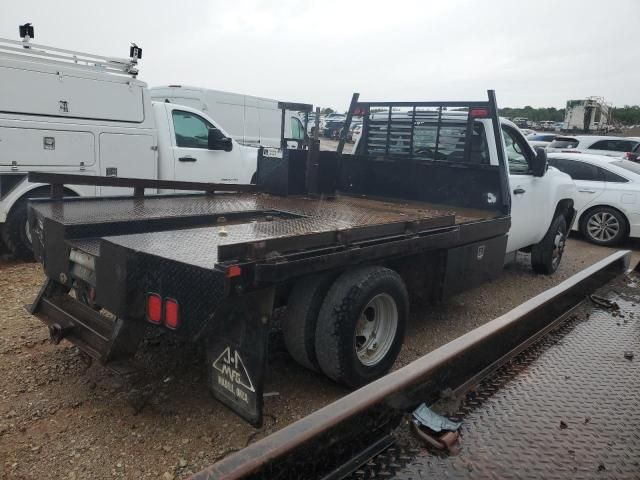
[(556, 398)]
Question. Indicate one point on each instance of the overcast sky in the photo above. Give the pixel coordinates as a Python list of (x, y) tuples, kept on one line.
[(538, 52)]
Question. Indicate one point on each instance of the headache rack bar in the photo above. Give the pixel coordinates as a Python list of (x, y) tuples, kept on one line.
[(433, 131), (58, 180)]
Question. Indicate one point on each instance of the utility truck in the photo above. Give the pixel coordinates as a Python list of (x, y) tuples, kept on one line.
[(430, 204), (71, 112)]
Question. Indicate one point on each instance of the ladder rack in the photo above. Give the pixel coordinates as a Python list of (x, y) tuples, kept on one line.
[(18, 49)]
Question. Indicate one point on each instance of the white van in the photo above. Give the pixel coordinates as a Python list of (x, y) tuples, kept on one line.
[(71, 112), (249, 120)]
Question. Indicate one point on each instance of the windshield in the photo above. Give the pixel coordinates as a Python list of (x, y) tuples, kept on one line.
[(564, 143), (628, 165)]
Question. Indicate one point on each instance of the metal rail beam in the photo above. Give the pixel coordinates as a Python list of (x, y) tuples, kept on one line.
[(138, 184), (317, 438)]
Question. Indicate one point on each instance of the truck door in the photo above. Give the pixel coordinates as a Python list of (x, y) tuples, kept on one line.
[(529, 195), (193, 160)]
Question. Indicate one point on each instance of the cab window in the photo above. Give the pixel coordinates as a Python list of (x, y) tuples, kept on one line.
[(515, 152), (297, 130), (192, 131)]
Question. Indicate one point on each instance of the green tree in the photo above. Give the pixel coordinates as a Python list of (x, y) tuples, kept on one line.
[(326, 111)]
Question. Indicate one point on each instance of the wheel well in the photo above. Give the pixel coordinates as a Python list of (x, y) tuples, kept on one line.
[(565, 208), (590, 209), (39, 191)]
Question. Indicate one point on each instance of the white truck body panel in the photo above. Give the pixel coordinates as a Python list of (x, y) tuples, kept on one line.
[(46, 90)]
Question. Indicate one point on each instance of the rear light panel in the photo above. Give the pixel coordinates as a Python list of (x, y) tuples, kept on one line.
[(159, 311), (154, 308), (171, 313)]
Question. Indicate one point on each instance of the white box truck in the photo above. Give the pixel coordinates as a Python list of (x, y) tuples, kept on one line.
[(247, 119), (71, 112)]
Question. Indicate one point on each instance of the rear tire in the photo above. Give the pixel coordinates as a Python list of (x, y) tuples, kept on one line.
[(301, 318), (361, 325), (604, 226), (547, 255), (14, 233)]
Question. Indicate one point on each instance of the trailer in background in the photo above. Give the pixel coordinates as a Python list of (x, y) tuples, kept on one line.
[(591, 114)]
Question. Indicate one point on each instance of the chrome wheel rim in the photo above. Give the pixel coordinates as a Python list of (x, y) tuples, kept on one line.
[(376, 329), (558, 248), (27, 232), (603, 226)]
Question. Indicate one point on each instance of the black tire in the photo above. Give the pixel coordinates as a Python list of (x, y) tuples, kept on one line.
[(547, 255), (604, 226), (14, 232), (301, 317), (343, 307)]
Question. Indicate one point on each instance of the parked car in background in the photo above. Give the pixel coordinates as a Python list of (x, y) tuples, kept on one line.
[(608, 199), (356, 133), (634, 155), (541, 139), (527, 131), (332, 126), (597, 145)]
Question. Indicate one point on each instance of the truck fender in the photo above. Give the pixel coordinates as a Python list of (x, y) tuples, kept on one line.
[(22, 191)]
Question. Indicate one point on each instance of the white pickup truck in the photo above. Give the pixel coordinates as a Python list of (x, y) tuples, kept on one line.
[(70, 112)]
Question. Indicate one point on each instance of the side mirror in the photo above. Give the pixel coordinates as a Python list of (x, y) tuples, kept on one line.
[(217, 141), (539, 164)]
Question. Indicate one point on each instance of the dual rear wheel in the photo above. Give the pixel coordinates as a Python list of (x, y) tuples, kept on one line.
[(352, 327)]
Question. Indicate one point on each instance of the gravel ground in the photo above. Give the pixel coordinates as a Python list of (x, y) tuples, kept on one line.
[(61, 417)]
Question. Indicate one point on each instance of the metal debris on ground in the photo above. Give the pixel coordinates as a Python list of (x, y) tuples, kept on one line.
[(604, 302), (427, 425)]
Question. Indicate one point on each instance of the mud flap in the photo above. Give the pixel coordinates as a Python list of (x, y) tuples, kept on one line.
[(237, 353)]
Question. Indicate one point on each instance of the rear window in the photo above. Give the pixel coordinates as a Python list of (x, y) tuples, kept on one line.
[(541, 138), (627, 165), (564, 143)]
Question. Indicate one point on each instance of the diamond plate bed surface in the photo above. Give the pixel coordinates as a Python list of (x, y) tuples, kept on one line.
[(350, 209), (198, 246), (511, 424)]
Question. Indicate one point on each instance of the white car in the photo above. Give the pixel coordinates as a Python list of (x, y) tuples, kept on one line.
[(541, 139), (597, 145), (357, 132), (608, 199)]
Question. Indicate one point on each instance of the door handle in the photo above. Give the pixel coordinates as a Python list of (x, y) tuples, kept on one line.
[(519, 191), (188, 159), (586, 190)]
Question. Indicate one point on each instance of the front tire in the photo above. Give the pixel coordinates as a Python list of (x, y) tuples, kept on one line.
[(604, 226), (361, 325), (547, 255)]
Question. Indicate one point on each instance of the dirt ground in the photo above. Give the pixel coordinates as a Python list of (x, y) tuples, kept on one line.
[(61, 417)]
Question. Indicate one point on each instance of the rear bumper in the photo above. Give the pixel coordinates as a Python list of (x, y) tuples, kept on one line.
[(108, 339)]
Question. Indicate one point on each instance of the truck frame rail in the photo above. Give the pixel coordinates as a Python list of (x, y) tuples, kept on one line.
[(554, 432)]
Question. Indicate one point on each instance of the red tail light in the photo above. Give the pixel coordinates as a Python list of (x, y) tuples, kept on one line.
[(171, 313), (478, 113), (154, 308)]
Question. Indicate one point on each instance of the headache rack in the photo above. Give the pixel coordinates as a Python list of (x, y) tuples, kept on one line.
[(432, 131)]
